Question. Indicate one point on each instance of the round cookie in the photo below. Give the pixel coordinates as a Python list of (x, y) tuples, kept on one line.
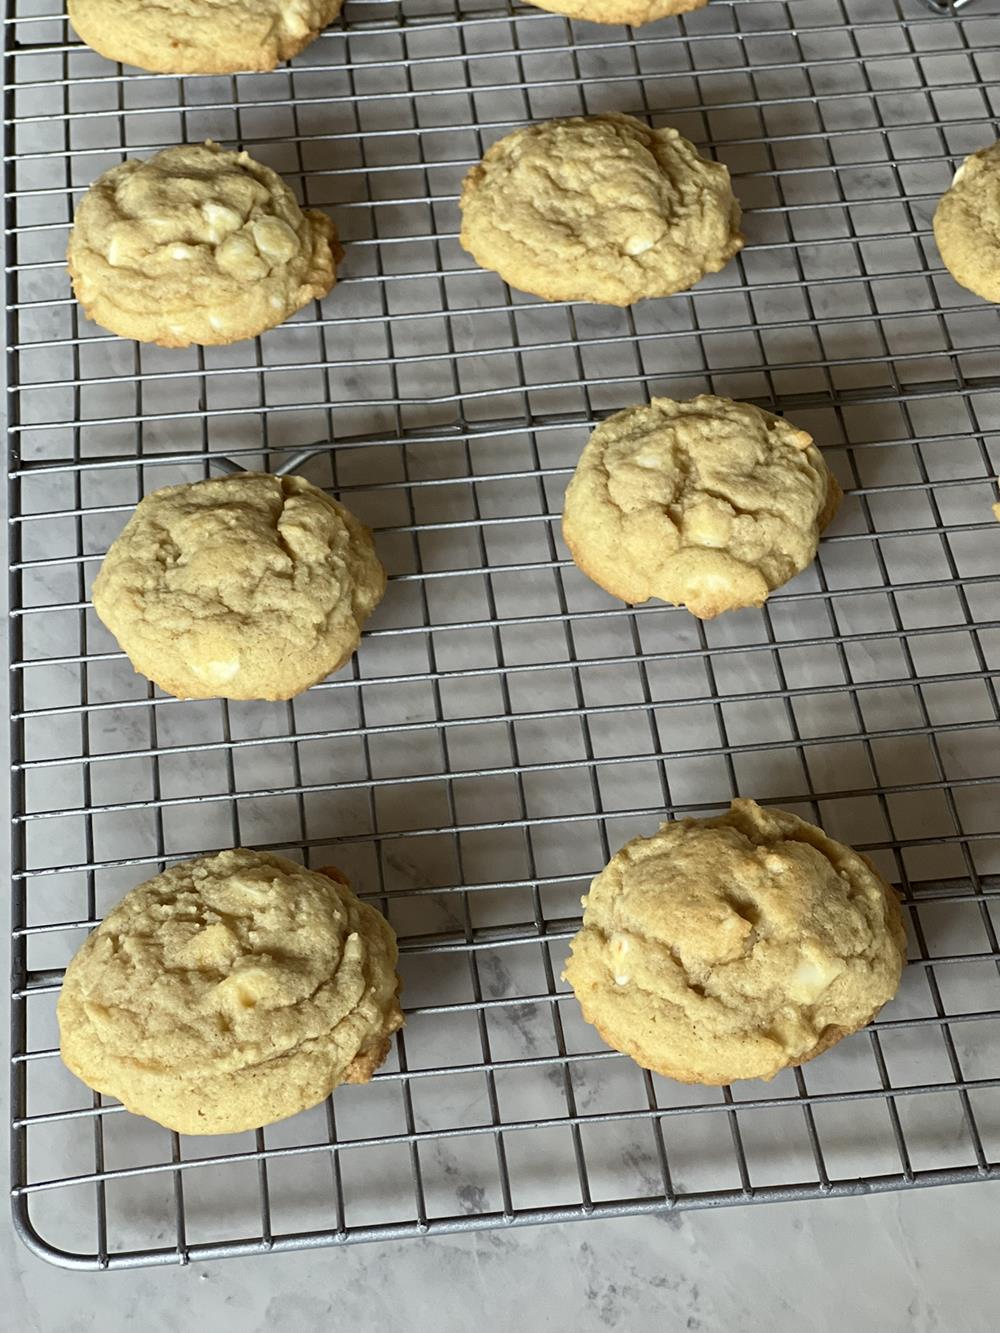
[(200, 36), (633, 12), (967, 224), (708, 504), (241, 587), (229, 992), (196, 245), (731, 948), (599, 208)]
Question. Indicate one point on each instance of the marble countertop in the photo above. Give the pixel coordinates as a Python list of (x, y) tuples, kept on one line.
[(918, 1261)]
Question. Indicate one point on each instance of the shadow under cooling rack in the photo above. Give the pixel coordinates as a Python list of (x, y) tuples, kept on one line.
[(505, 725)]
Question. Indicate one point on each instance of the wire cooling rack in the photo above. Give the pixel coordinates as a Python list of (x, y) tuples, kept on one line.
[(506, 725)]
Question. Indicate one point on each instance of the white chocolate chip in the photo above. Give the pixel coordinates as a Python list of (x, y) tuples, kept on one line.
[(354, 948), (811, 978), (638, 245), (962, 171), (218, 670), (181, 252), (238, 257), (790, 1032), (274, 239), (708, 523), (244, 988), (119, 250), (222, 220), (618, 947)]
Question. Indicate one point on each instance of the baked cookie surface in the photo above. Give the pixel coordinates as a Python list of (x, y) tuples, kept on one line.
[(633, 12), (196, 245), (967, 224), (242, 587), (200, 36), (730, 948), (229, 992), (599, 208), (709, 504)]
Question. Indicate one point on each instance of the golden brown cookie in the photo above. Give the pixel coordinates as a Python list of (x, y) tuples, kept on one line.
[(196, 245), (708, 504), (229, 992), (599, 208), (731, 948), (967, 224), (633, 12), (241, 587), (201, 36)]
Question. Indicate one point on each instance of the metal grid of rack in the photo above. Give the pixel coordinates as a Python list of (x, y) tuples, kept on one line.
[(505, 725)]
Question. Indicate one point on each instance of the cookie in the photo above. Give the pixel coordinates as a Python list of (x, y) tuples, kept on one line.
[(731, 948), (196, 245), (241, 587), (229, 992), (707, 504), (201, 36), (633, 12), (967, 224), (599, 208)]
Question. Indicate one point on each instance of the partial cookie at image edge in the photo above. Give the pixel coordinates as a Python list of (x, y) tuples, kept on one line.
[(243, 36), (967, 224), (633, 13)]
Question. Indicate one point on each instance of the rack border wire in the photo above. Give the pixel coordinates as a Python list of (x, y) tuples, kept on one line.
[(869, 674)]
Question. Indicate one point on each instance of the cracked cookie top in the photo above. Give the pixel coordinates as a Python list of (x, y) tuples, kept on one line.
[(967, 224), (231, 991), (709, 504), (734, 947), (599, 208), (196, 245), (241, 587), (200, 36)]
